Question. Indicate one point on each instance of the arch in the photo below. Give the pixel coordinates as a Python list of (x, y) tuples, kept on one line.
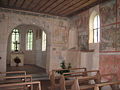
[(91, 26), (42, 29)]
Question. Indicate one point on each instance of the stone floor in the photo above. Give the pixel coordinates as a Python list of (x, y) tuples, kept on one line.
[(37, 73)]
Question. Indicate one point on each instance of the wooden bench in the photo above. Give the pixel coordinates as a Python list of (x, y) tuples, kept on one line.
[(83, 78), (53, 77), (13, 79), (13, 72), (21, 86), (114, 85), (80, 79)]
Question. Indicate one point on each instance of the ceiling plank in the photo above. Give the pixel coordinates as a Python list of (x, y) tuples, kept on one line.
[(18, 4), (54, 5), (22, 4), (74, 6), (71, 5), (26, 3), (33, 4), (29, 4), (42, 4), (8, 3), (14, 5), (66, 2), (11, 3), (47, 5), (67, 5), (72, 10), (3, 2), (37, 4)]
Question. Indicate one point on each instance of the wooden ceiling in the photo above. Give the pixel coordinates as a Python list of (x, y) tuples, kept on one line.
[(53, 7)]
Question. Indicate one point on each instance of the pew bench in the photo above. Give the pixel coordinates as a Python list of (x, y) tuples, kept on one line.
[(76, 82), (55, 78), (21, 86)]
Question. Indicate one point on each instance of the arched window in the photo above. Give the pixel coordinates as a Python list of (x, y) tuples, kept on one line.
[(15, 40), (96, 29), (29, 40), (94, 26), (43, 41)]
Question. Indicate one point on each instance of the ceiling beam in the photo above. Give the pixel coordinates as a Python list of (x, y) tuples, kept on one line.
[(29, 4), (56, 4), (8, 2), (14, 4), (37, 4), (76, 7), (48, 5), (74, 2), (66, 2), (22, 4), (42, 4)]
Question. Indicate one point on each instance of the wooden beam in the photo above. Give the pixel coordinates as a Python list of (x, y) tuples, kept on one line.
[(8, 3), (29, 4), (37, 4), (56, 4), (68, 5), (26, 3), (20, 84), (22, 4), (11, 2), (42, 4), (75, 6), (48, 5), (72, 10), (33, 4), (18, 4), (66, 2), (14, 5)]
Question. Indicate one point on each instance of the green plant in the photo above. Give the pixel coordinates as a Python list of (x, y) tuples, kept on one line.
[(63, 66)]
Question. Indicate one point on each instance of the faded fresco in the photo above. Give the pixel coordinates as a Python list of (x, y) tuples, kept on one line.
[(108, 13), (118, 10), (108, 38), (60, 35), (82, 22), (110, 64)]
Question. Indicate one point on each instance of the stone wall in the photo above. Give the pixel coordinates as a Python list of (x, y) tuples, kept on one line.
[(55, 27)]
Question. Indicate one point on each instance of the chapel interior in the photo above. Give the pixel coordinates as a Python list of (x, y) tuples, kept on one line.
[(59, 44)]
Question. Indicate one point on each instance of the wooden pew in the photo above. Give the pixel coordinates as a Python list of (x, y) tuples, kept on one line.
[(76, 86), (13, 79), (97, 86), (53, 77), (21, 86), (83, 78), (13, 72), (78, 80)]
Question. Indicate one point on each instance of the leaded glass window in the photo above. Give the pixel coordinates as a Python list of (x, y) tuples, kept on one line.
[(96, 29), (43, 41), (15, 40), (29, 43)]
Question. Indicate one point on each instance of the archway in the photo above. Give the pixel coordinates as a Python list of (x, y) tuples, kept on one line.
[(36, 56)]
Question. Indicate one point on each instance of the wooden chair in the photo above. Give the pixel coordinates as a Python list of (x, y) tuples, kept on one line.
[(21, 86), (53, 77)]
